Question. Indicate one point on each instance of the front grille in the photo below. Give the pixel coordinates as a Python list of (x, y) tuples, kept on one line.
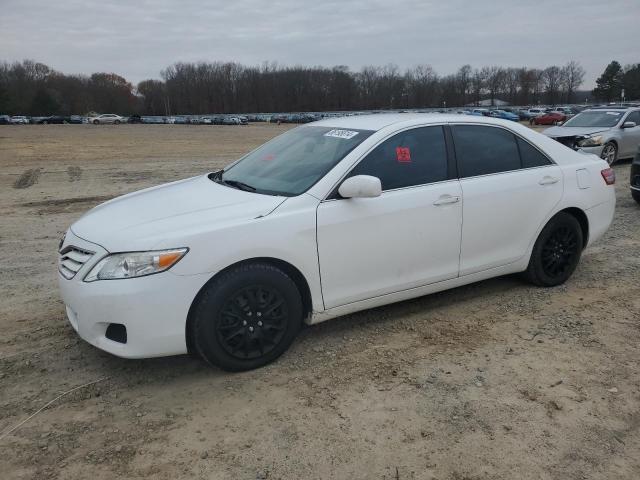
[(71, 260)]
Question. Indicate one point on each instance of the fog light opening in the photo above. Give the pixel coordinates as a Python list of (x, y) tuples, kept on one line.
[(117, 332)]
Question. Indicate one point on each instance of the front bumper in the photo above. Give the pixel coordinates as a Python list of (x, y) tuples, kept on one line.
[(595, 150), (153, 309)]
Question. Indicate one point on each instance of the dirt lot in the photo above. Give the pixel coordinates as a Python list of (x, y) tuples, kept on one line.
[(496, 380)]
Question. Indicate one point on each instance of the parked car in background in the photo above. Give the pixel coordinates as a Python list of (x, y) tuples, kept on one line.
[(611, 133), (135, 118), (139, 277), (206, 121), (634, 180), (549, 118), (568, 111), (106, 119), (536, 112), (231, 121), (19, 120), (480, 112), (504, 115), (523, 114), (5, 120), (53, 119)]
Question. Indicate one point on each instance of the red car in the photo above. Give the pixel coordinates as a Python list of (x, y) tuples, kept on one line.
[(549, 118)]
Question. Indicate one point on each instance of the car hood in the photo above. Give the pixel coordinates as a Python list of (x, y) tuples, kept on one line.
[(158, 217), (556, 132)]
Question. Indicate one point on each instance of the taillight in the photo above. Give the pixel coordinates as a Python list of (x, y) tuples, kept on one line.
[(609, 176)]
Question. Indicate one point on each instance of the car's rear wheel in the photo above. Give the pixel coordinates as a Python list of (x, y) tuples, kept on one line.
[(609, 153), (247, 317), (556, 252), (96, 122), (117, 122)]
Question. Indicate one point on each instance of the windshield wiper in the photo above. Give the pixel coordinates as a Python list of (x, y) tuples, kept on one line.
[(217, 177), (239, 185)]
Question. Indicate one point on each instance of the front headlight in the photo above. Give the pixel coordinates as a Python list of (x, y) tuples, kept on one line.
[(593, 141), (134, 264)]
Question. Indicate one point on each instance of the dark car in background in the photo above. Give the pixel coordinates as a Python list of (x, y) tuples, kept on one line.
[(135, 118), (634, 181), (54, 119), (5, 120)]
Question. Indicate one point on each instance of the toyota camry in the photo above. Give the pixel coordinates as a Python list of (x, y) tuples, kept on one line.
[(329, 218)]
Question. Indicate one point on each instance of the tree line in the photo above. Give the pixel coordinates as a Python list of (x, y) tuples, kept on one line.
[(33, 88)]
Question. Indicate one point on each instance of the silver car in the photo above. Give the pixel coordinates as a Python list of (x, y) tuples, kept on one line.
[(106, 118), (610, 132)]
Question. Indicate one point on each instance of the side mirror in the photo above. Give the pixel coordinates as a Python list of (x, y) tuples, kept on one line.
[(628, 124), (361, 186)]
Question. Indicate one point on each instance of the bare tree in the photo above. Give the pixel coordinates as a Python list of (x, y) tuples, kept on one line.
[(572, 76)]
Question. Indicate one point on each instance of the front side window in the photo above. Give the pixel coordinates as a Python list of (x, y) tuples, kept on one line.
[(413, 157), (484, 150), (292, 162), (634, 117)]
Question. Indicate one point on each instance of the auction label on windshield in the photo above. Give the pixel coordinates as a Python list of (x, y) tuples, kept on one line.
[(346, 134)]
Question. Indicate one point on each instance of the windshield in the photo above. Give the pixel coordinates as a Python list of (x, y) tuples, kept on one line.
[(595, 119), (292, 162)]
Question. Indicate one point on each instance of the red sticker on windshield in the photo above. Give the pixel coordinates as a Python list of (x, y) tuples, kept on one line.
[(269, 157), (403, 154)]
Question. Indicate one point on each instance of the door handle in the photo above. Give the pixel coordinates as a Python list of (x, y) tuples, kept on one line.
[(547, 180), (446, 200)]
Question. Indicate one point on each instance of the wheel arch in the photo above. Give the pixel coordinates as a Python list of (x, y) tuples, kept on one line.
[(293, 272)]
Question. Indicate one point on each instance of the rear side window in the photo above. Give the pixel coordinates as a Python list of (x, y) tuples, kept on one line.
[(484, 150), (414, 157), (531, 156)]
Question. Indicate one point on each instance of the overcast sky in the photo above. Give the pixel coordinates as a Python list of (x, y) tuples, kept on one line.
[(137, 38)]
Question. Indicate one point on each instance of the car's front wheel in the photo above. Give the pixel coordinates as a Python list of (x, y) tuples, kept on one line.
[(246, 317), (609, 153), (635, 195), (96, 122), (556, 252)]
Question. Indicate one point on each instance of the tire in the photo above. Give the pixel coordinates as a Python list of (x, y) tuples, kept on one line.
[(117, 122), (96, 122), (635, 195), (609, 153), (247, 317), (556, 252), (45, 122)]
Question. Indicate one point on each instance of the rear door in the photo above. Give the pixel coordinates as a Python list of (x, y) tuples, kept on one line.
[(508, 187)]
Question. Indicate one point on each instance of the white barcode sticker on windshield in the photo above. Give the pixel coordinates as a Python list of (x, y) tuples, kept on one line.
[(346, 134), (613, 113)]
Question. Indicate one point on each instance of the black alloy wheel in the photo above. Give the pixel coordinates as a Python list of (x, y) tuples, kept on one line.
[(246, 317), (557, 251), (252, 322)]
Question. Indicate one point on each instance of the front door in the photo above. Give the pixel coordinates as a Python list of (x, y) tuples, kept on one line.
[(405, 238)]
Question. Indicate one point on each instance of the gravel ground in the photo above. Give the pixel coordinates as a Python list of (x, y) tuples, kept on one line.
[(495, 380)]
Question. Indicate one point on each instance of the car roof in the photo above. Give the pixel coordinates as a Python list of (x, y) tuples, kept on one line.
[(379, 121), (611, 108)]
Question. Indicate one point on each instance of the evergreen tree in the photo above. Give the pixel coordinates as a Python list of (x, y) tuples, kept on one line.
[(609, 84)]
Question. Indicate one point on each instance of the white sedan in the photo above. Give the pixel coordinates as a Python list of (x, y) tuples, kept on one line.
[(107, 118), (330, 218)]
